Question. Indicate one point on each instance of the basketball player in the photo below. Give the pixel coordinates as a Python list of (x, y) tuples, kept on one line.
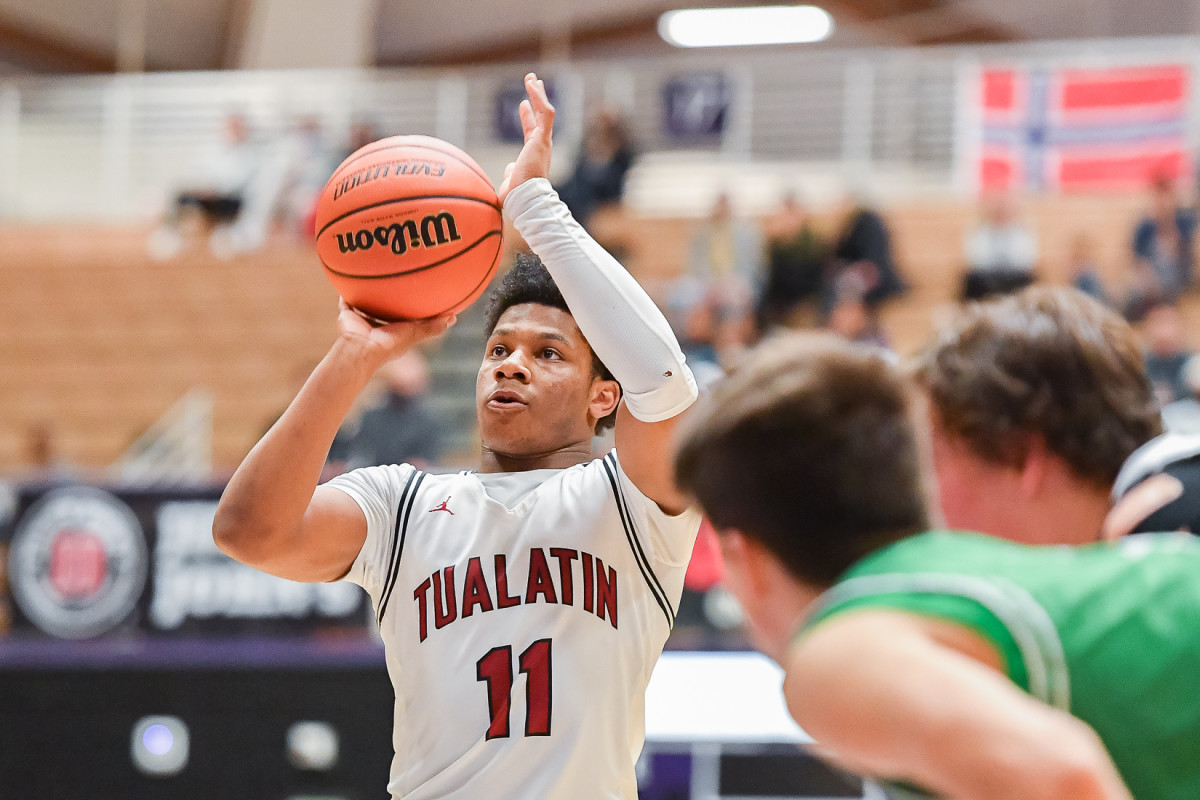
[(1158, 489), (1034, 402), (961, 664), (522, 607)]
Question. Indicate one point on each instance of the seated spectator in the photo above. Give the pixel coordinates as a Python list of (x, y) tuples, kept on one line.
[(797, 257), (215, 194), (1163, 248), (598, 178), (1166, 353), (1083, 271), (864, 246), (1001, 251), (850, 317), (398, 430)]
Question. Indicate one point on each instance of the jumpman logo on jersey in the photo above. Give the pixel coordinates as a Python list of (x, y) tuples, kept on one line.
[(443, 507)]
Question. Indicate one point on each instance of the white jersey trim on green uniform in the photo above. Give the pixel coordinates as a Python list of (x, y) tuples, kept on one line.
[(1030, 625)]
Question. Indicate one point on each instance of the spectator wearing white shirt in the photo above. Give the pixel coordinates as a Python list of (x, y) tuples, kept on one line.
[(1001, 251)]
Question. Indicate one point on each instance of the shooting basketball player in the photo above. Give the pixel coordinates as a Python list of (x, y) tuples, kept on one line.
[(522, 607), (951, 664)]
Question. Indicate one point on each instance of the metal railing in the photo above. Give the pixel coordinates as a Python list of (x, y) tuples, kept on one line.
[(114, 147)]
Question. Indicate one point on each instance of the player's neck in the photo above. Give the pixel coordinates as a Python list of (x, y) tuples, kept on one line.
[(563, 457)]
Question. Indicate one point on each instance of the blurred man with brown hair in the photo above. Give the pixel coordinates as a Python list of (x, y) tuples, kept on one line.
[(1034, 403), (949, 664)]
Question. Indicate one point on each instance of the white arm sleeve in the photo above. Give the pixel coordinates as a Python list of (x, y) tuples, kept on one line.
[(619, 320)]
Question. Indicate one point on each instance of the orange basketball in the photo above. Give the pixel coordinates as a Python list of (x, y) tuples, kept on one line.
[(409, 227)]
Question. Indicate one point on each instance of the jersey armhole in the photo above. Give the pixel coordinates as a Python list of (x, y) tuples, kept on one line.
[(955, 609), (662, 528)]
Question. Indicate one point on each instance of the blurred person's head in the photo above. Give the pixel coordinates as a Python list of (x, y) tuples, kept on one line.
[(607, 134), (237, 130), (1083, 250), (362, 133), (998, 208), (40, 450), (407, 375), (1164, 197), (1034, 401), (805, 461), (722, 208), (540, 386), (1163, 330)]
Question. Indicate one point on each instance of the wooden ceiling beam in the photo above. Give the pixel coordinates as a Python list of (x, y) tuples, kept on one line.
[(42, 52)]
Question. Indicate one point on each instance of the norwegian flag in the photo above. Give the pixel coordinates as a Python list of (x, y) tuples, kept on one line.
[(1083, 129)]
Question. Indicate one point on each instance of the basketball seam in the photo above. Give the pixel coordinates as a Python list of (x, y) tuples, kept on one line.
[(422, 268), (491, 271), (478, 172), (335, 220)]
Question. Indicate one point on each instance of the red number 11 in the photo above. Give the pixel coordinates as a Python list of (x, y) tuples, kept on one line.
[(496, 668)]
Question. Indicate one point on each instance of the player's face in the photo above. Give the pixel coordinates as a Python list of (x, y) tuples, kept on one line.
[(536, 391)]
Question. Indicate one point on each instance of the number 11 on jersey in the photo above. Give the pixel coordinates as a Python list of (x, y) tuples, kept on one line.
[(496, 668)]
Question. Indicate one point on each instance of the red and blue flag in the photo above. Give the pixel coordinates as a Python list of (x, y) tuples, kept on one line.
[(1083, 129)]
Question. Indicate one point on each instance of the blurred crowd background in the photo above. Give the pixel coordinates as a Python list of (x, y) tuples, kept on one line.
[(161, 300)]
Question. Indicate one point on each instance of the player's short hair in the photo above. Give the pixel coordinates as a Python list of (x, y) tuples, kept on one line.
[(809, 449), (1048, 361), (530, 282)]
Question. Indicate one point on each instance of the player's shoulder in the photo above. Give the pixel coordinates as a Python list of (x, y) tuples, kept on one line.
[(390, 479)]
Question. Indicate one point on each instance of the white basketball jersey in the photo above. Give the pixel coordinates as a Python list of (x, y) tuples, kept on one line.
[(522, 614)]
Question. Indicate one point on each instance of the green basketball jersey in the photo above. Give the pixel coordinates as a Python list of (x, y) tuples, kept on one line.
[(1108, 632)]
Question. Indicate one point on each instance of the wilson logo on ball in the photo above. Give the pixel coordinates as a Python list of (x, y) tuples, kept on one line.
[(434, 230)]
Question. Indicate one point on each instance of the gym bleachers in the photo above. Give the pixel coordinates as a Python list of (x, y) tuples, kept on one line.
[(98, 340)]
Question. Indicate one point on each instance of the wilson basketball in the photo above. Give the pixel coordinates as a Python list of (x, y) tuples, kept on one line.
[(409, 227)]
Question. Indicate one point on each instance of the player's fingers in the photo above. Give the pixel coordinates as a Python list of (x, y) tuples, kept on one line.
[(540, 101), (508, 170), (528, 121)]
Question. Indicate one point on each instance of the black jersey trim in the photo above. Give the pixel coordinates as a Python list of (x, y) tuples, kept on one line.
[(639, 555), (403, 511)]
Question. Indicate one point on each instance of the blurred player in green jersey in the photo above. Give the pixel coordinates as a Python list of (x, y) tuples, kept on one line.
[(947, 664)]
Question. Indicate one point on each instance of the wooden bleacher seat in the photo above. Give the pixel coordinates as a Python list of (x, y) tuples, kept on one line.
[(98, 340)]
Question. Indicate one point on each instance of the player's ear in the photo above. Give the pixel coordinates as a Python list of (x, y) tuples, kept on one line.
[(1033, 468), (605, 396)]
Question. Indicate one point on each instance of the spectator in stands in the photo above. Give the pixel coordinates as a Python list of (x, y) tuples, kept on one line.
[(1085, 276), (310, 162), (1163, 250), (850, 317), (598, 178), (1166, 352), (294, 168), (864, 246), (362, 133), (400, 429), (797, 257), (43, 462), (1001, 251), (1034, 401), (1183, 415), (215, 195), (724, 270)]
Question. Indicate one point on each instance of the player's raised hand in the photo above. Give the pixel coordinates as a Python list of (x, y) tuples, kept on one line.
[(391, 339), (537, 123)]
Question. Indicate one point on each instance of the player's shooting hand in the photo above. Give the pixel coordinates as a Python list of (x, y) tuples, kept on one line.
[(386, 340), (537, 123)]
